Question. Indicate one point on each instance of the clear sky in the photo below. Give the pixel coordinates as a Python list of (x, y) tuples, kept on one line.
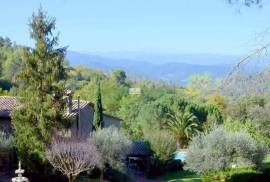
[(157, 26)]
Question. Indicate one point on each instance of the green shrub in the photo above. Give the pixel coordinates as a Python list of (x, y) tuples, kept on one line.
[(221, 148), (255, 130), (112, 144), (233, 175), (162, 144)]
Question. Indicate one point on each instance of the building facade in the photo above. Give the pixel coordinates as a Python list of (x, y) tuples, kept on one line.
[(79, 111)]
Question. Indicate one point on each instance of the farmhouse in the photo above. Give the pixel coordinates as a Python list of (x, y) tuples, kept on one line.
[(81, 112)]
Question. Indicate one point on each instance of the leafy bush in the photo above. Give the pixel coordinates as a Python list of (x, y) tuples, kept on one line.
[(112, 144), (220, 149), (234, 175), (252, 113), (113, 175), (162, 144), (5, 141), (257, 133)]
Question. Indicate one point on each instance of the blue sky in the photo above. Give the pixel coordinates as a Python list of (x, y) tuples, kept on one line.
[(156, 26)]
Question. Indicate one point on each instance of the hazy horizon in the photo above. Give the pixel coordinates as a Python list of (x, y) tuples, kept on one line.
[(152, 27)]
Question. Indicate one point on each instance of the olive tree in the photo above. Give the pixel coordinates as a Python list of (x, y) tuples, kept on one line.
[(72, 157), (163, 145), (112, 144), (221, 149)]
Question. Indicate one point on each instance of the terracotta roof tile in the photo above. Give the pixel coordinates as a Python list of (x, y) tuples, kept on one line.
[(7, 104), (74, 110)]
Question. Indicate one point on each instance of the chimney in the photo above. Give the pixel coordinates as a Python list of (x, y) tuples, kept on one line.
[(79, 109), (79, 115), (69, 101)]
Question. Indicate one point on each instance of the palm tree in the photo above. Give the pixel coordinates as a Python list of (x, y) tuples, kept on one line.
[(183, 125)]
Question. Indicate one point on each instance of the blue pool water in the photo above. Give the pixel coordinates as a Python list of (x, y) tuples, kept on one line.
[(180, 156)]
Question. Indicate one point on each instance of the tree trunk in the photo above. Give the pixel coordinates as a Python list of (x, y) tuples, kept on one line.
[(179, 143), (70, 178)]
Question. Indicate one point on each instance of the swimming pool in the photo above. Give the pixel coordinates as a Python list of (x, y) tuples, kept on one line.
[(181, 155)]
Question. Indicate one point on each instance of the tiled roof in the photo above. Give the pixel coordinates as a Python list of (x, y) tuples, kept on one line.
[(7, 104), (74, 110), (139, 148)]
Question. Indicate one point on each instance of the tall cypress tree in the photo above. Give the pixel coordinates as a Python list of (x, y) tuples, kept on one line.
[(98, 110), (42, 87)]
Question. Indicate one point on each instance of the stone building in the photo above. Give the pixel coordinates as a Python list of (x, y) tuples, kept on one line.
[(80, 112), (7, 104)]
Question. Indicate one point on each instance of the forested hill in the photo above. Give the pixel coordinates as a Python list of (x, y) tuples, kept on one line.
[(176, 69), (145, 68)]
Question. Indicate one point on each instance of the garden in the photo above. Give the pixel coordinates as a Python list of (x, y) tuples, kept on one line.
[(200, 132)]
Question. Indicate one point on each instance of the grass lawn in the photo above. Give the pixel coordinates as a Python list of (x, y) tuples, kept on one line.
[(266, 163), (181, 176)]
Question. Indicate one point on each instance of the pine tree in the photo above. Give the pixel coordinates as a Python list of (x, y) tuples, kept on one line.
[(98, 110), (42, 87)]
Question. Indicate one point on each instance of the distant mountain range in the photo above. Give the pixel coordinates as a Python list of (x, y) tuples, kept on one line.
[(170, 68)]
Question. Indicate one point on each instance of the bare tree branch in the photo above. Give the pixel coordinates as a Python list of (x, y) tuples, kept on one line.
[(243, 61), (72, 157)]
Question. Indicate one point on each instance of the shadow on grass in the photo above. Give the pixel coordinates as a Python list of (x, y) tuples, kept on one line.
[(181, 176), (266, 164)]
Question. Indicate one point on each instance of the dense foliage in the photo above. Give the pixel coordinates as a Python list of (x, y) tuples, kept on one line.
[(183, 125), (10, 60), (112, 144), (163, 146), (98, 111), (162, 114), (222, 149), (233, 175), (251, 112), (42, 87)]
